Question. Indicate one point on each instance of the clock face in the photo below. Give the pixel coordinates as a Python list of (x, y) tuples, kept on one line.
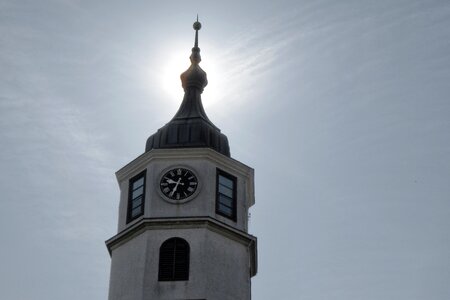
[(178, 184)]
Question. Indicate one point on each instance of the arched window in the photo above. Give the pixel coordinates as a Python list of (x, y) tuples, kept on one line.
[(174, 260)]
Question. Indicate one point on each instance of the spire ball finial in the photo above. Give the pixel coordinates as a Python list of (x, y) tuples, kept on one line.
[(195, 56), (197, 25)]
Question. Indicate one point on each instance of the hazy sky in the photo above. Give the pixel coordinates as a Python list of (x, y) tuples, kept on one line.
[(342, 108)]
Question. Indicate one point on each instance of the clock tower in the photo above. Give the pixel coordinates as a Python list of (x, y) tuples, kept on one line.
[(183, 225)]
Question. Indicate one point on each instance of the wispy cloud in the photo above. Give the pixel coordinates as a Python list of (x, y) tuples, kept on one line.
[(45, 134)]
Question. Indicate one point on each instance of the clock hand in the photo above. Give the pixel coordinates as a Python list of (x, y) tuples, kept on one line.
[(170, 181), (175, 188)]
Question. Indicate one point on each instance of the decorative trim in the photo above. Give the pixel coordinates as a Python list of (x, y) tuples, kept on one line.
[(181, 153), (209, 223)]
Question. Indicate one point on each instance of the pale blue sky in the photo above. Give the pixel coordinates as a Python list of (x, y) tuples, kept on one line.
[(342, 108)]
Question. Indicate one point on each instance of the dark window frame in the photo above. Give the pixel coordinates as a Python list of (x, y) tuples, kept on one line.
[(219, 173), (132, 180), (177, 269)]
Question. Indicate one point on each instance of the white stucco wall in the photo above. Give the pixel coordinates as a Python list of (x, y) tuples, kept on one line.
[(221, 253), (219, 267), (204, 163)]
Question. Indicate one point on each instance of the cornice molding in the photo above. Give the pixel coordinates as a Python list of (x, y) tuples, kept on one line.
[(209, 223), (182, 153)]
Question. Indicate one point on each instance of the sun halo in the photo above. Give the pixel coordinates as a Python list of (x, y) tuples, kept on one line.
[(177, 63)]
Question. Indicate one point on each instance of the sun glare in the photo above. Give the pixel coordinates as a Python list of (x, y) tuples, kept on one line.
[(177, 63)]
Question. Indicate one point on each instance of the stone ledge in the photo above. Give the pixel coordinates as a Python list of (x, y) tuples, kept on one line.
[(209, 223)]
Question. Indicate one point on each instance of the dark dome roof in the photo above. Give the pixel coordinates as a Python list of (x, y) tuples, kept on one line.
[(190, 127), (193, 133)]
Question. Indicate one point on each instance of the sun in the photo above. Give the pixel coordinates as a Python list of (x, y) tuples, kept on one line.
[(178, 62)]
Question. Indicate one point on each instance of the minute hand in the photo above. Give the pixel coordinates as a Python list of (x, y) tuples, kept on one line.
[(175, 188)]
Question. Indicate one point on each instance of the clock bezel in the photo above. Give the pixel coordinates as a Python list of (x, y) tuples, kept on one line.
[(174, 201)]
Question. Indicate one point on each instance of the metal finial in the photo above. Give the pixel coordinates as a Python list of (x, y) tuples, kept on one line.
[(197, 26), (195, 56)]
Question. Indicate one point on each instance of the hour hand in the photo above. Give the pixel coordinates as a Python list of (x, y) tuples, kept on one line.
[(170, 181)]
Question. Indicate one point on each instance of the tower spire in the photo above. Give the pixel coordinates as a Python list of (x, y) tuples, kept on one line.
[(190, 127), (195, 56), (195, 76)]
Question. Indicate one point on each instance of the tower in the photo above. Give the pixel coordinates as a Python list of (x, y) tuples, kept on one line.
[(183, 226)]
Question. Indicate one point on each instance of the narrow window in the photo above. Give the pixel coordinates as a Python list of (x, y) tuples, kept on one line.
[(174, 260), (226, 195), (136, 196)]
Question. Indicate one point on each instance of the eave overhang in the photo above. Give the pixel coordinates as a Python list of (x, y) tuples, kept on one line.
[(208, 223)]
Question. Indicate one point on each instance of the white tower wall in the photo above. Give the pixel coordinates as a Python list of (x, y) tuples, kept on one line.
[(222, 253)]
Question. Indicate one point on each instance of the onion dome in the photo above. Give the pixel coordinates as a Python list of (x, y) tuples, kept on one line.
[(190, 127)]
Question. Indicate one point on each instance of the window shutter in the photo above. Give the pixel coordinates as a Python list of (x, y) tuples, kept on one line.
[(174, 260)]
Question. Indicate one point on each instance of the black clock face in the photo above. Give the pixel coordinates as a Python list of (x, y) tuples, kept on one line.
[(178, 184)]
